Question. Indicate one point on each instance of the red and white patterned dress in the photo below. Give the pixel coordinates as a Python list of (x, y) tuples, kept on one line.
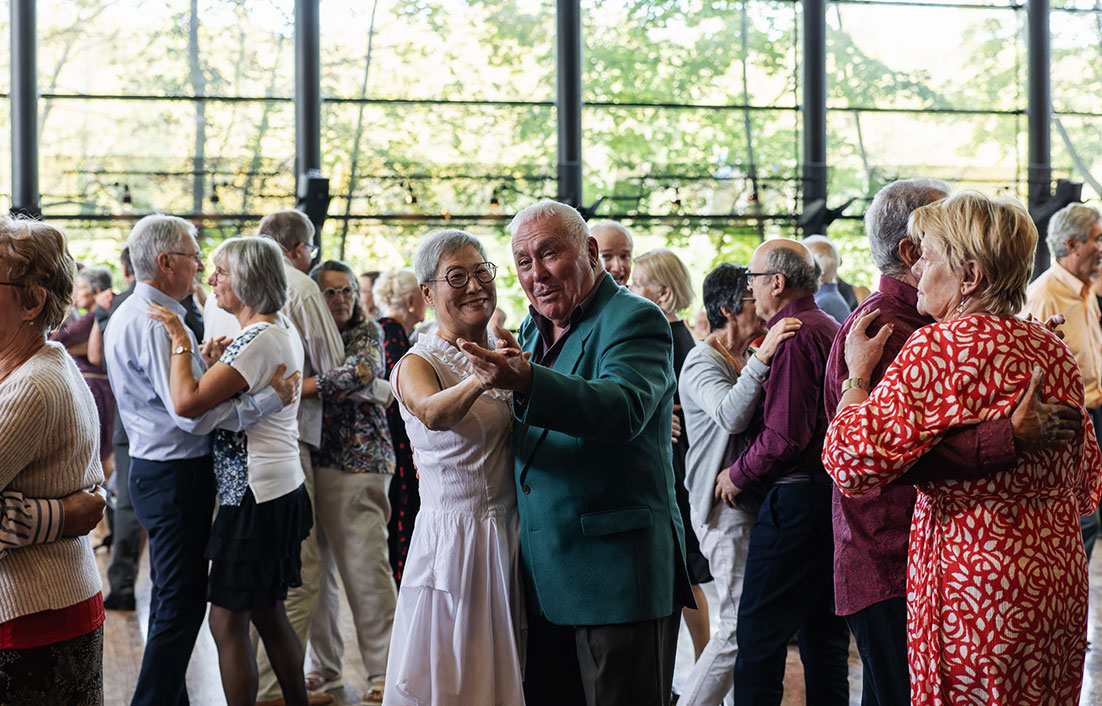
[(997, 575)]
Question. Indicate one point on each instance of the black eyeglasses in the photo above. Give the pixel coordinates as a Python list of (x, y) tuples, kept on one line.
[(14, 284), (458, 277), (751, 275)]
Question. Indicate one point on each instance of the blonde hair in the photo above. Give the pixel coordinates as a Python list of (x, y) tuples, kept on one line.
[(392, 287), (664, 268), (996, 233), (38, 258)]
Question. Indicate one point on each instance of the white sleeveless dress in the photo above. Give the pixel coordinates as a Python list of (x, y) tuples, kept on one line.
[(457, 637)]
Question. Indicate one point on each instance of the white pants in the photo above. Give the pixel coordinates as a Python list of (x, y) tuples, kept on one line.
[(302, 601), (724, 541), (352, 518)]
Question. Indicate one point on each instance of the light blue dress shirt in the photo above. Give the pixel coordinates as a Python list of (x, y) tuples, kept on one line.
[(830, 300), (138, 352)]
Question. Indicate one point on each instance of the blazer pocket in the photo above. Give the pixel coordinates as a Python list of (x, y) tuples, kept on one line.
[(598, 524)]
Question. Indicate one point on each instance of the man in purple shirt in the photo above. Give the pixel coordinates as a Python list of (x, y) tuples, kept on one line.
[(788, 566), (871, 532)]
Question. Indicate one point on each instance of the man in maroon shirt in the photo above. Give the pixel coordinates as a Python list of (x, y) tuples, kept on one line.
[(870, 532), (788, 566)]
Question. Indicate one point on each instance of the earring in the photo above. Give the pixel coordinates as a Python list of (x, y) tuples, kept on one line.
[(959, 312)]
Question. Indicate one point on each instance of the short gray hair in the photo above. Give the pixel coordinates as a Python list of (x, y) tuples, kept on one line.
[(612, 225), (887, 215), (825, 254), (799, 274), (152, 236), (1072, 221), (568, 217), (439, 244), (256, 272), (288, 228), (98, 279), (392, 287)]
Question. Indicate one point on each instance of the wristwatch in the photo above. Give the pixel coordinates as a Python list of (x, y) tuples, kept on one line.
[(180, 350), (851, 383)]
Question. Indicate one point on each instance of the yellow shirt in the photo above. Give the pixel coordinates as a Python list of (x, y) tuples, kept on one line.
[(1058, 291)]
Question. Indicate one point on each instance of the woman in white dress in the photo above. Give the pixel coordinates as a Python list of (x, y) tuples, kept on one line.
[(457, 627)]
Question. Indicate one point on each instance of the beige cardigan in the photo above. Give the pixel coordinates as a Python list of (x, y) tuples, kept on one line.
[(49, 448)]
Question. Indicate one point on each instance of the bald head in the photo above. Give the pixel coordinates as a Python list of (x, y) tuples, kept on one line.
[(615, 245), (784, 271), (826, 255)]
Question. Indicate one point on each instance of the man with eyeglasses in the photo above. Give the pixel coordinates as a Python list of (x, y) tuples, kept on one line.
[(324, 350), (171, 477), (787, 586), (602, 542)]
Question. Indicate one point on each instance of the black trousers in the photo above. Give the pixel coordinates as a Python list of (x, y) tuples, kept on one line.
[(126, 545), (630, 664), (880, 632), (174, 501), (789, 588)]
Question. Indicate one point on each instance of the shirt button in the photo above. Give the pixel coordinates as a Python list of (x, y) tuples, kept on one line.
[(525, 489)]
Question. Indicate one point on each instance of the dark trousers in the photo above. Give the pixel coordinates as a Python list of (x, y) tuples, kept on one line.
[(789, 588), (174, 501), (880, 632), (126, 543), (1090, 524), (629, 664)]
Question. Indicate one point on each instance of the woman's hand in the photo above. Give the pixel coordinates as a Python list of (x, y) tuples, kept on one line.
[(213, 348), (862, 352), (175, 327), (782, 331)]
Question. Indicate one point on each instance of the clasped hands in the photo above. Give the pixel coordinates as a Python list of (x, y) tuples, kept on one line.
[(505, 367)]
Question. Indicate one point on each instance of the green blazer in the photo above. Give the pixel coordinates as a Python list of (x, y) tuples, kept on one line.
[(601, 537)]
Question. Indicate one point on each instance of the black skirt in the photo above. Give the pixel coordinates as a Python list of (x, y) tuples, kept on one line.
[(254, 550)]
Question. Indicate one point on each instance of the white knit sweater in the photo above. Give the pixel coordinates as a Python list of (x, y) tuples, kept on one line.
[(49, 448)]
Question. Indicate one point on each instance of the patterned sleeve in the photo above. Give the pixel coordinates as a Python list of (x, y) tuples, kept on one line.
[(931, 387), (1087, 484), (25, 521), (363, 361)]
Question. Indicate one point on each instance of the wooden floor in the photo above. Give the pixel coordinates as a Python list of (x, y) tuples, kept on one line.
[(124, 638)]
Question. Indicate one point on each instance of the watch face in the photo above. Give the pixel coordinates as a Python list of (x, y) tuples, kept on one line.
[(180, 349)]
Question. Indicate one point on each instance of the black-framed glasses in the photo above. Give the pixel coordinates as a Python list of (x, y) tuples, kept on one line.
[(14, 284), (458, 277), (196, 258), (751, 275), (343, 292)]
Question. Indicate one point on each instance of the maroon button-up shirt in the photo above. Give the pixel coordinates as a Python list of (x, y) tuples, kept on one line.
[(871, 531), (789, 427)]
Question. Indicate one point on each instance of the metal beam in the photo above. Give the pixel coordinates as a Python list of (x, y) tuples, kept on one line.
[(814, 115), (312, 189), (1040, 118), (24, 109), (568, 40)]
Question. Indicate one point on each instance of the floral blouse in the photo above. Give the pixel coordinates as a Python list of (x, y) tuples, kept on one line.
[(355, 436)]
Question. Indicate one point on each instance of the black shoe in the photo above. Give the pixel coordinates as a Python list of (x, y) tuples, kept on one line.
[(119, 601)]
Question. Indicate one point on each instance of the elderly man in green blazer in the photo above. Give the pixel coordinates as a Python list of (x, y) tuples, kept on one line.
[(602, 543)]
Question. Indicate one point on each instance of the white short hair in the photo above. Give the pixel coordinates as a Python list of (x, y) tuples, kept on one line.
[(152, 236), (568, 217)]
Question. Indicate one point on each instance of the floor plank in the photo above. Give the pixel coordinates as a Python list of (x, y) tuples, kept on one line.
[(124, 637)]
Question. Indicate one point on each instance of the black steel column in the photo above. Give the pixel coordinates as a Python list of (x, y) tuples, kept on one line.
[(1040, 115), (24, 108), (313, 189), (568, 42), (814, 114)]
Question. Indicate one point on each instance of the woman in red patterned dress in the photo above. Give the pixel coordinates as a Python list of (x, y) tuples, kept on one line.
[(997, 577)]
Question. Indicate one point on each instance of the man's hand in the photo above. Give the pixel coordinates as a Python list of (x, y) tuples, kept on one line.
[(83, 511), (1040, 425), (104, 298), (726, 490), (505, 368), (286, 387), (676, 425)]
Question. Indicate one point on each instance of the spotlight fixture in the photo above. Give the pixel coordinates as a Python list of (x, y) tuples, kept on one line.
[(411, 198), (214, 197), (126, 197), (495, 202), (676, 198)]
